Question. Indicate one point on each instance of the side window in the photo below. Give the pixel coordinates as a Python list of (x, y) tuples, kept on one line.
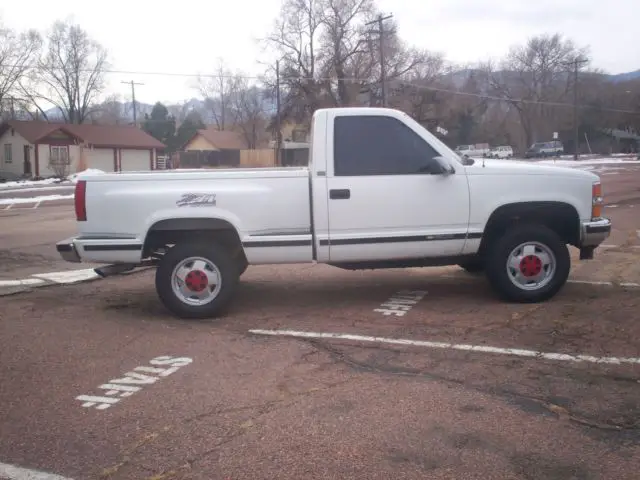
[(8, 154), (378, 145)]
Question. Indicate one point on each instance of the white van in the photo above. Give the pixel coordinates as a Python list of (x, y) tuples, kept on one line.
[(477, 150), (503, 151)]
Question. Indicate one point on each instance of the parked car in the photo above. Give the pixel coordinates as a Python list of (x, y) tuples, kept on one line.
[(478, 150), (545, 149), (380, 192), (501, 152)]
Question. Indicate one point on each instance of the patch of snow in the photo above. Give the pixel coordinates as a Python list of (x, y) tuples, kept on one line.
[(43, 198), (85, 173), (62, 186), (594, 161), (29, 183)]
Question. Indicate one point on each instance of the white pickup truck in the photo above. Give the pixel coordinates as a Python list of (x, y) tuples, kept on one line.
[(380, 192)]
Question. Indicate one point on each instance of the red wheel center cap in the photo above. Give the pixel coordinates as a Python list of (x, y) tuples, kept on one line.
[(196, 280), (530, 266)]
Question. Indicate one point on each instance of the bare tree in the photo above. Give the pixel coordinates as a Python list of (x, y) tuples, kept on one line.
[(17, 52), (330, 57), (248, 104), (70, 74), (343, 38), (217, 92), (296, 41), (534, 75)]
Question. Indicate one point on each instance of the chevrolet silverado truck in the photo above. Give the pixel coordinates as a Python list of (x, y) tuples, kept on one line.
[(380, 191)]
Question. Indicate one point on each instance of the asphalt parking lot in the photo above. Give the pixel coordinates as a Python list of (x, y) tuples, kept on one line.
[(417, 373)]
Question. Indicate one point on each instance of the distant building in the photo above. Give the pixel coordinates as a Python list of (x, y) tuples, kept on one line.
[(36, 148)]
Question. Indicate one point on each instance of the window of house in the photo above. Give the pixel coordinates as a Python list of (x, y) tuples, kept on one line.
[(8, 153), (376, 145), (299, 135), (59, 155)]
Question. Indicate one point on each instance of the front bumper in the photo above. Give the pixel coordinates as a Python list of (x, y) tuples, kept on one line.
[(68, 251), (595, 232)]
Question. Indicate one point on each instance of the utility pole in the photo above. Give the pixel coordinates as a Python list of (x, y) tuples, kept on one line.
[(381, 32), (278, 127), (133, 98), (576, 63)]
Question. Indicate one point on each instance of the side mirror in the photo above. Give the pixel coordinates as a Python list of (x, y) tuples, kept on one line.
[(445, 167)]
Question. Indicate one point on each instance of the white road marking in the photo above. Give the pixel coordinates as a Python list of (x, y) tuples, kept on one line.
[(118, 388), (453, 346), (11, 472), (8, 207), (35, 206), (400, 303), (69, 276), (20, 283)]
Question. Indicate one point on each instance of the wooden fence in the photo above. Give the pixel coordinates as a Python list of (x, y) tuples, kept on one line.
[(262, 158), (265, 157)]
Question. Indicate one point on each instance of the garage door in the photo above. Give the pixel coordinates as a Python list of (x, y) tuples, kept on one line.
[(134, 160), (100, 158)]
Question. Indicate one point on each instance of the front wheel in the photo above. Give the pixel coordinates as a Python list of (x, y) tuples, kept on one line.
[(196, 280), (529, 264)]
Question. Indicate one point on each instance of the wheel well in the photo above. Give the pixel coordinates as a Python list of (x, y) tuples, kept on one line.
[(181, 230), (560, 217)]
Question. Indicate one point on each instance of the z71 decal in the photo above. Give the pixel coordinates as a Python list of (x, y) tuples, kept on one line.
[(197, 200)]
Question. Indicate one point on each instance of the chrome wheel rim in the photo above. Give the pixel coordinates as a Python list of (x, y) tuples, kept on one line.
[(531, 266), (196, 281)]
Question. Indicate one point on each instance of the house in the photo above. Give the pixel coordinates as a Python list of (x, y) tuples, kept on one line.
[(210, 147), (211, 139), (295, 142), (42, 149)]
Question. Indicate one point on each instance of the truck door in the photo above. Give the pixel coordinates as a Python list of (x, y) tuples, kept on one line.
[(383, 202)]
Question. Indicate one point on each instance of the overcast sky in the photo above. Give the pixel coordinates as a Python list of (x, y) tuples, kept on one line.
[(186, 36)]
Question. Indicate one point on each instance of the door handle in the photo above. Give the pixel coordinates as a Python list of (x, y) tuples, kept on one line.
[(340, 194)]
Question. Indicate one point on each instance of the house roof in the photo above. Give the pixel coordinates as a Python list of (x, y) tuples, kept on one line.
[(222, 140), (123, 136)]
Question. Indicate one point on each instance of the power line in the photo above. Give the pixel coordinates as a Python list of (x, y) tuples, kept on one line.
[(368, 80)]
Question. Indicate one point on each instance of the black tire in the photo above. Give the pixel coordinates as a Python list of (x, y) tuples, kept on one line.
[(243, 264), (474, 266), (213, 253), (498, 255)]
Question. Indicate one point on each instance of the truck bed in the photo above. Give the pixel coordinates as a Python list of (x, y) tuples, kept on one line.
[(261, 202)]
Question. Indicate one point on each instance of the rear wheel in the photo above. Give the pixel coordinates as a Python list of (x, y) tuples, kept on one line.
[(196, 280), (530, 263)]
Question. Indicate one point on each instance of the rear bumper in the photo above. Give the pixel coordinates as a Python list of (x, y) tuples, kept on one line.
[(100, 250), (68, 251), (595, 232)]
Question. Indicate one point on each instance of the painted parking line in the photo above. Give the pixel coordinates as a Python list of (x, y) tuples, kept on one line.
[(69, 276), (11, 472), (27, 282), (133, 382), (564, 357)]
